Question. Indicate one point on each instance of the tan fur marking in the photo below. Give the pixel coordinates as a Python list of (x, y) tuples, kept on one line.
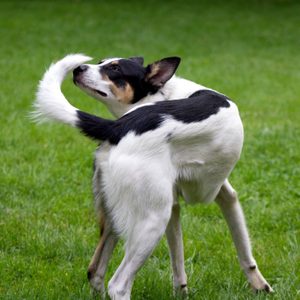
[(124, 95), (154, 70), (95, 259), (105, 77)]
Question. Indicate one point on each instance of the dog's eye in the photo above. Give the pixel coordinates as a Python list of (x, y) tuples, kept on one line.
[(115, 67)]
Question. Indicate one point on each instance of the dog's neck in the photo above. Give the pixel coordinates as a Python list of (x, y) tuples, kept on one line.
[(175, 88), (179, 88)]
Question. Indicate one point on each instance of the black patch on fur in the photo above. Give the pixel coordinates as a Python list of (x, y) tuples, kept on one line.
[(183, 286), (149, 117), (267, 288), (94, 127), (252, 267), (201, 92), (89, 275), (131, 71), (128, 71)]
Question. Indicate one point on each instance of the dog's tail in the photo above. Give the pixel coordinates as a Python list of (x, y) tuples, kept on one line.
[(51, 104)]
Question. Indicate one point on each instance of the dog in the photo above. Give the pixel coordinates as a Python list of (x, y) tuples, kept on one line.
[(155, 151)]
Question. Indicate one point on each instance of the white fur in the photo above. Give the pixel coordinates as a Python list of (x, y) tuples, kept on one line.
[(50, 103), (95, 81), (137, 181)]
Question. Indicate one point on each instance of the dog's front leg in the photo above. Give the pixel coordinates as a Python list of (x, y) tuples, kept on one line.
[(175, 242), (99, 262), (228, 201)]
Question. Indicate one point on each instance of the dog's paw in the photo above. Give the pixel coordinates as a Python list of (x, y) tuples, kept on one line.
[(263, 288), (257, 281), (96, 282), (181, 292)]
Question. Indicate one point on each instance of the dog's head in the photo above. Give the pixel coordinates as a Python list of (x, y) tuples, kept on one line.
[(124, 81)]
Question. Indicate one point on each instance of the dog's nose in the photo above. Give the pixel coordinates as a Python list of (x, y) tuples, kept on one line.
[(80, 69)]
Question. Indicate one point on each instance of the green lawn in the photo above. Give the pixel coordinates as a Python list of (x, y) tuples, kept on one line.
[(250, 52)]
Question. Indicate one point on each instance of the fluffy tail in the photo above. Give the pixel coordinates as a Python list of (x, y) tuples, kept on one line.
[(51, 104)]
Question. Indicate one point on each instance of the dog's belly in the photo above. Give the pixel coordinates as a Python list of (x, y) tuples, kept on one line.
[(201, 189), (200, 180), (203, 170)]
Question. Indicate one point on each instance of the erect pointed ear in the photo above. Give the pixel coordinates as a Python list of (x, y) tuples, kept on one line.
[(137, 59), (158, 73)]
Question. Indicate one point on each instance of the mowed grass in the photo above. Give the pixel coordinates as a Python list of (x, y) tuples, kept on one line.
[(48, 232)]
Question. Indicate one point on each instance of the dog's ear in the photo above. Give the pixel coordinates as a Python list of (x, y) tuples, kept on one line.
[(137, 59), (158, 73)]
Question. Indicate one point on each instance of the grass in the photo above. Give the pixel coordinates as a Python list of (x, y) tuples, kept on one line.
[(249, 51)]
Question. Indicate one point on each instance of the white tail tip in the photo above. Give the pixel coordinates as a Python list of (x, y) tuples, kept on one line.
[(50, 103)]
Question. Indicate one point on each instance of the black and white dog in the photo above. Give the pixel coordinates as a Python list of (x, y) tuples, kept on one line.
[(156, 150)]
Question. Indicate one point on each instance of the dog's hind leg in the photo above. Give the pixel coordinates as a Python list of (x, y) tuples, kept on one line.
[(99, 262), (139, 245), (228, 201), (139, 193), (175, 242)]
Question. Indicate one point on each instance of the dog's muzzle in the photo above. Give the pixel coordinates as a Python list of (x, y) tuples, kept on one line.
[(80, 70)]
